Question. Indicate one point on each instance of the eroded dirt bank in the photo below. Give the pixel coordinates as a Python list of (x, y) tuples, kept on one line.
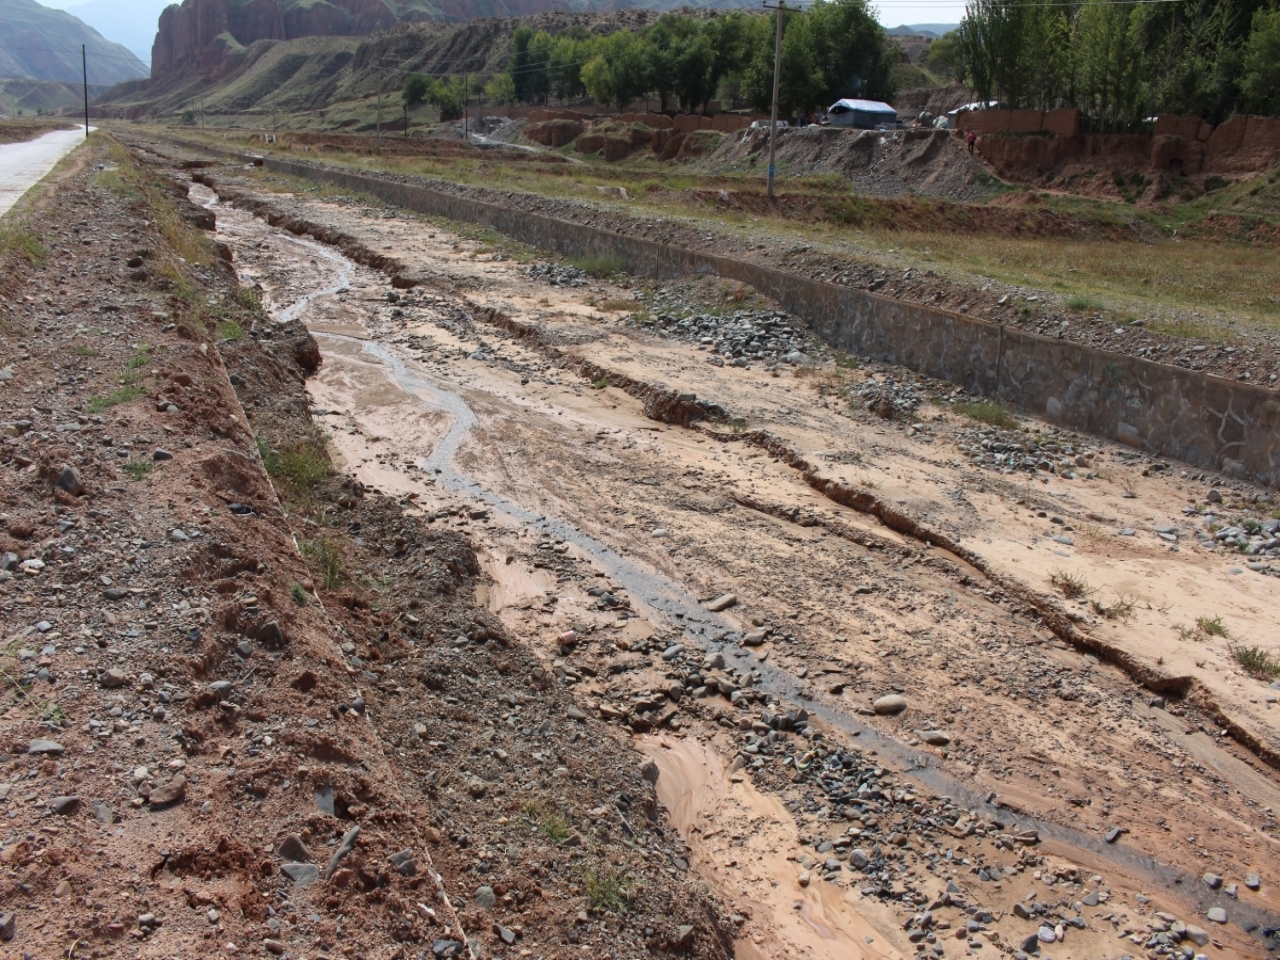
[(252, 707), (601, 533)]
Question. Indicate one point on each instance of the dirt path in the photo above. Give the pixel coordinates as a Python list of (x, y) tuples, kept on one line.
[(431, 398)]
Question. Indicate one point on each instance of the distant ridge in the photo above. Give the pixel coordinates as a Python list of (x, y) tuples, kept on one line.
[(934, 30), (44, 44)]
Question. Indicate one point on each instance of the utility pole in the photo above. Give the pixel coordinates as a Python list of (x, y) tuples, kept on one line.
[(84, 65), (777, 68), (466, 104), (379, 106), (777, 73)]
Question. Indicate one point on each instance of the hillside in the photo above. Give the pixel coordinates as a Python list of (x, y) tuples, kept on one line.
[(44, 44), (42, 96), (135, 29), (198, 34), (332, 79)]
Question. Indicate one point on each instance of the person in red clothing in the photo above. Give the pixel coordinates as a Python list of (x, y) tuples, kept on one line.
[(972, 139)]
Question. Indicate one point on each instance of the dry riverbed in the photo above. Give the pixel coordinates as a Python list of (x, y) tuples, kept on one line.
[(1030, 788)]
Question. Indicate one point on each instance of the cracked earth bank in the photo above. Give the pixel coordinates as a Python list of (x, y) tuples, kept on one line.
[(609, 513)]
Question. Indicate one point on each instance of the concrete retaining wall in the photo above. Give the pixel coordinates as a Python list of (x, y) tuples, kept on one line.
[(1163, 410)]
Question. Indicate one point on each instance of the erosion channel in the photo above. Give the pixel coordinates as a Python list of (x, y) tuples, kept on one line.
[(870, 748)]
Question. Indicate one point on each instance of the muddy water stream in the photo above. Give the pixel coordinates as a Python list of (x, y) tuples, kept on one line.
[(666, 600)]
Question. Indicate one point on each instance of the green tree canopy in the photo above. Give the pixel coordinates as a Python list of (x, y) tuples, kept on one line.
[(415, 89)]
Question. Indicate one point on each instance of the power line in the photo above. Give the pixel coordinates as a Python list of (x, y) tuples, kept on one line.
[(101, 56)]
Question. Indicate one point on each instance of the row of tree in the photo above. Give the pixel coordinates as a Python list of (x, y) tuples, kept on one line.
[(1120, 62), (834, 49), (1116, 61)]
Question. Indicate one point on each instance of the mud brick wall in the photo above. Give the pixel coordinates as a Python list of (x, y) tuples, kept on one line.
[(1163, 410)]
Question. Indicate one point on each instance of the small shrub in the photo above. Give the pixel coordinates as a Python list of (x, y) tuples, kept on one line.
[(1215, 183), (619, 305), (600, 383), (1122, 609), (1256, 662), (248, 298), (738, 425), (300, 596), (1069, 585), (137, 469), (988, 412), (1212, 628), (607, 890)]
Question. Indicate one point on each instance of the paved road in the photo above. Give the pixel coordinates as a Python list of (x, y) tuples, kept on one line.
[(23, 165)]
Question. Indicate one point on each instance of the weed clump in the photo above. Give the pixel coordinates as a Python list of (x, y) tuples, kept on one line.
[(325, 557), (607, 890), (1256, 662), (296, 469), (1069, 585), (600, 265), (989, 412), (1212, 627), (137, 469)]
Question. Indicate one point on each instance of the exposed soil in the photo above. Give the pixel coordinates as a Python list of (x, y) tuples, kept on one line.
[(930, 163), (866, 557), (218, 744)]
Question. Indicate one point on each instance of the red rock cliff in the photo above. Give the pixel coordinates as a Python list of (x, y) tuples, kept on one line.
[(186, 31)]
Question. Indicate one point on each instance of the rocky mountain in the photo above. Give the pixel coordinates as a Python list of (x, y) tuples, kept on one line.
[(199, 34), (44, 44)]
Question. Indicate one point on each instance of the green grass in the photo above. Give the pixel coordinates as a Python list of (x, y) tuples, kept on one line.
[(230, 330), (140, 358), (137, 469), (988, 412), (600, 383), (325, 557), (83, 350), (555, 827), (248, 298), (1257, 662), (607, 889), (1080, 303), (299, 594), (600, 265), (99, 404), (19, 240), (1187, 330), (296, 469)]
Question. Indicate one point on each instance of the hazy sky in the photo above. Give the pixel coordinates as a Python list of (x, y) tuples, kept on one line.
[(129, 22)]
